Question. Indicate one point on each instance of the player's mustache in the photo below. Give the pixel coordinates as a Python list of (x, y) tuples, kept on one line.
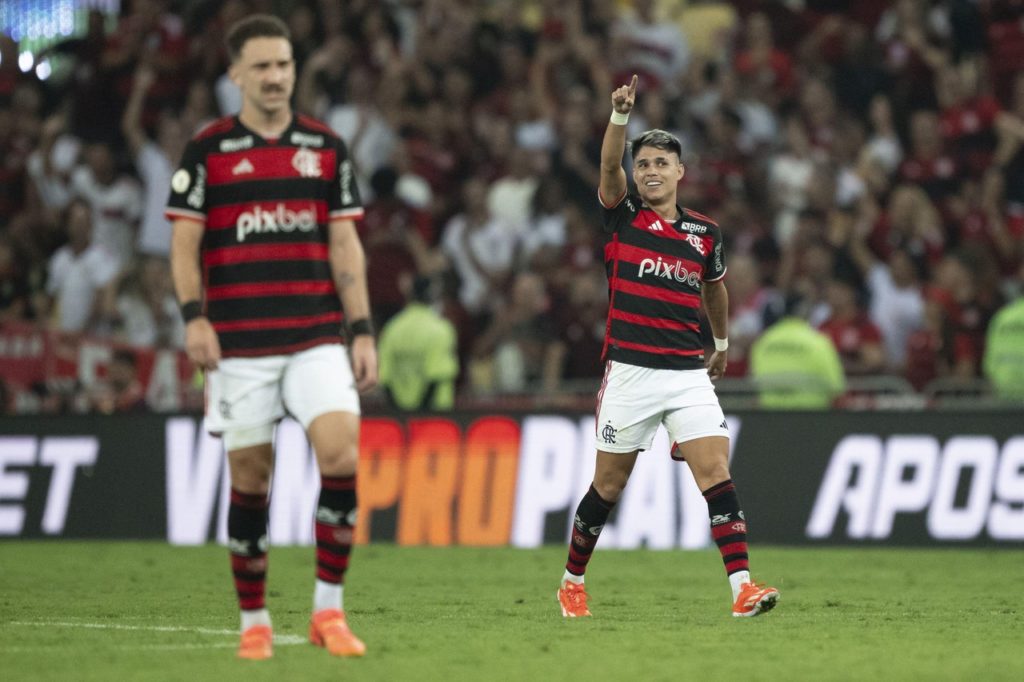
[(272, 88)]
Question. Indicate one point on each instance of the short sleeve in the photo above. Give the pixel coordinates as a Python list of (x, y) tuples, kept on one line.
[(344, 201), (619, 215), (714, 264), (188, 186)]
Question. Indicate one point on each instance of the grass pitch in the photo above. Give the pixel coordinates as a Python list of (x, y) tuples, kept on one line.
[(147, 611)]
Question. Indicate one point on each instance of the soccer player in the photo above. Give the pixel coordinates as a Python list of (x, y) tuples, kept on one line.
[(265, 259), (662, 261)]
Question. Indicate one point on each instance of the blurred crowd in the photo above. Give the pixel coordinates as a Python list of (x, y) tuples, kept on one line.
[(864, 158)]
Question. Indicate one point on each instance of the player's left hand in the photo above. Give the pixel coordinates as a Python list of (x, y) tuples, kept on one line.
[(364, 362), (716, 365)]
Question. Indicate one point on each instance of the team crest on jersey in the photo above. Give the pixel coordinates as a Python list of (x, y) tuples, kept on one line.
[(307, 163), (697, 243)]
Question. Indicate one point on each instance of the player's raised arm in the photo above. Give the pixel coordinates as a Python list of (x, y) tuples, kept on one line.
[(613, 177)]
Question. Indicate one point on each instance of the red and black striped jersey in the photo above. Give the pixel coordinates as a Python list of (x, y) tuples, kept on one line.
[(655, 272), (266, 205)]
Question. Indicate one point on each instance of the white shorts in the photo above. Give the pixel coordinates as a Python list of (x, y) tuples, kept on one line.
[(634, 401), (247, 393)]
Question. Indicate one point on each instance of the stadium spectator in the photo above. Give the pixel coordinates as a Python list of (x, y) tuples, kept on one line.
[(656, 372), (120, 391), (789, 178), (928, 164), (14, 286), (645, 44), (397, 238), (546, 227), (795, 366), (419, 361), (79, 272), (752, 308), (894, 287), (359, 119), (856, 338), (510, 196), (268, 334), (49, 168), (518, 351), (154, 162), (116, 200), (481, 250), (145, 312), (583, 317), (1004, 351), (767, 68)]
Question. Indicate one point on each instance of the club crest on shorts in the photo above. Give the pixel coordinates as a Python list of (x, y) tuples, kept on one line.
[(608, 433)]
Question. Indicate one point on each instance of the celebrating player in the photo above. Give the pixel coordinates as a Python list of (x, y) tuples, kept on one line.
[(661, 261), (265, 202)]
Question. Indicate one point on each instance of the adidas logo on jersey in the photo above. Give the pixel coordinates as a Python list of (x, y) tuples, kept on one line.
[(244, 166), (656, 227)]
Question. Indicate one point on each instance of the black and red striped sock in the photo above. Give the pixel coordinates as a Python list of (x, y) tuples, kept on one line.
[(728, 525), (591, 515), (335, 527), (247, 542)]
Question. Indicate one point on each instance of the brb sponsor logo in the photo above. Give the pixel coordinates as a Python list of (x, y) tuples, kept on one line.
[(964, 489), (676, 271), (277, 219)]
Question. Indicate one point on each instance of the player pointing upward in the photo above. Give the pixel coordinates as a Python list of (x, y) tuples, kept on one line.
[(662, 262)]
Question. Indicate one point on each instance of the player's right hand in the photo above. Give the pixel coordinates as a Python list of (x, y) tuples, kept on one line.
[(625, 96), (202, 344)]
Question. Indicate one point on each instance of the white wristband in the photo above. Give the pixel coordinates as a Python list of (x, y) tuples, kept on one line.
[(721, 344), (619, 119)]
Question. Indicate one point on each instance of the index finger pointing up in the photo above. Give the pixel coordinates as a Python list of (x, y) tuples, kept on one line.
[(632, 85)]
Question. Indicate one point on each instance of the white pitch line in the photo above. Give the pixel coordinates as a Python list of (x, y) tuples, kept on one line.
[(117, 626), (285, 640)]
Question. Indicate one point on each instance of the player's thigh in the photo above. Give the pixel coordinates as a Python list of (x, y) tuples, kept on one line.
[(244, 401), (335, 440), (317, 381), (629, 409), (319, 391)]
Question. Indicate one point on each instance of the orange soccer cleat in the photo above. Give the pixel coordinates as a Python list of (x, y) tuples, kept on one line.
[(754, 599), (329, 629), (573, 599), (256, 644)]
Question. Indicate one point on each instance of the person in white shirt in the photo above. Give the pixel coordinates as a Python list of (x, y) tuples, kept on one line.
[(154, 162), (116, 201), (79, 271), (481, 250)]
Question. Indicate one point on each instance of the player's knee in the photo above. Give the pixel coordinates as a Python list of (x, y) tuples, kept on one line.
[(251, 469), (338, 459), (711, 475), (610, 486)]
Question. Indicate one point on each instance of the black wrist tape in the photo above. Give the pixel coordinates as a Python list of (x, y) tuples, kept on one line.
[(361, 327), (190, 310)]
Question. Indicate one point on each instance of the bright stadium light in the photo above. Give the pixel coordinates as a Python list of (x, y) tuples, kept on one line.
[(43, 69), (25, 60)]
